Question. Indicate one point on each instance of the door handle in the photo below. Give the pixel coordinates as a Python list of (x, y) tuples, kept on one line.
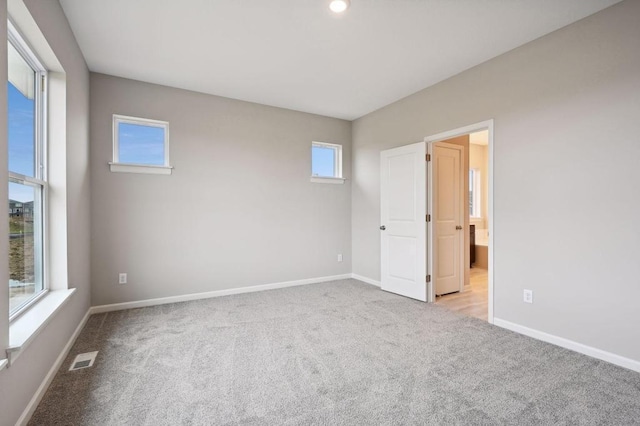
[(382, 228), (458, 227)]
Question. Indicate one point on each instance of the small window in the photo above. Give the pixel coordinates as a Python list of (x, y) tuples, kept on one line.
[(474, 193), (326, 162), (140, 145)]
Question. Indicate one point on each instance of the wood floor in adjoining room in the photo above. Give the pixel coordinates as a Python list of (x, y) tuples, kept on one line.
[(474, 299)]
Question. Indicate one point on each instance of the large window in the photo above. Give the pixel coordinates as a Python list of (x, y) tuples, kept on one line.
[(326, 161), (27, 173), (140, 145)]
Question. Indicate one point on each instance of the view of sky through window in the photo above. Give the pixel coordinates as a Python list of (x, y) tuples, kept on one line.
[(21, 133), (24, 216), (138, 144), (323, 161)]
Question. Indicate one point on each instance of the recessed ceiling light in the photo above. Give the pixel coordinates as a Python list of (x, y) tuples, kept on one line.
[(339, 6)]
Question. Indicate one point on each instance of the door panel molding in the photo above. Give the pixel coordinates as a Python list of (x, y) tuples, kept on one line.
[(447, 196), (403, 239)]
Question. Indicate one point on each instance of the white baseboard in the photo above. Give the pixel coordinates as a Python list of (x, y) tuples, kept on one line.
[(570, 344), (42, 389), (365, 280), (209, 294)]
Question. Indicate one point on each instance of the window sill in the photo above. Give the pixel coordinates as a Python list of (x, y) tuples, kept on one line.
[(24, 329), (140, 168), (318, 179)]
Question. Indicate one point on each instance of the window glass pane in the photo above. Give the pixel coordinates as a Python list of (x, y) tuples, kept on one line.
[(139, 144), (22, 106), (323, 161), (474, 193), (25, 244), (471, 188)]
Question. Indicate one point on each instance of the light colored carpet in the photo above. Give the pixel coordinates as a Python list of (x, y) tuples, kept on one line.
[(335, 353)]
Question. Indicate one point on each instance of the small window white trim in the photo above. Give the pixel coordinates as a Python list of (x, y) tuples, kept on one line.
[(337, 149), (140, 168), (318, 179), (117, 166)]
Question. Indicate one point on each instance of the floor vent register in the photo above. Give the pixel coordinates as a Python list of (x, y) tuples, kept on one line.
[(85, 360)]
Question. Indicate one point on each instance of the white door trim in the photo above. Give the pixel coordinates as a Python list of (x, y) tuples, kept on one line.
[(483, 125)]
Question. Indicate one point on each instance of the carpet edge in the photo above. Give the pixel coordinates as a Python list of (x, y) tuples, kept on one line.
[(211, 294), (600, 354), (44, 386)]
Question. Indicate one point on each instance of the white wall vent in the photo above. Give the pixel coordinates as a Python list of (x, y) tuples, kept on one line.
[(85, 360)]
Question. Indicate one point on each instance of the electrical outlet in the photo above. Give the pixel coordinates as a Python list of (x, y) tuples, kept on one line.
[(339, 258), (528, 296), (122, 278)]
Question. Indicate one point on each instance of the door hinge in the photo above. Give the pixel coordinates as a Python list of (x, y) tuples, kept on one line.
[(428, 278), (428, 218), (428, 157), (42, 83)]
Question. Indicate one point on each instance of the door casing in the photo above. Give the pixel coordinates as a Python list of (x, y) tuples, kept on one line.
[(429, 140)]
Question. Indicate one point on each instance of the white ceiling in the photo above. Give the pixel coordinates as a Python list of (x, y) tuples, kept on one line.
[(296, 54)]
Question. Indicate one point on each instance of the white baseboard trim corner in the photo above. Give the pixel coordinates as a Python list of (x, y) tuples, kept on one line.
[(42, 389), (365, 280), (570, 344), (210, 294)]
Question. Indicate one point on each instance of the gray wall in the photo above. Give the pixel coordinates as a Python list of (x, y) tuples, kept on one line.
[(19, 383), (567, 144), (239, 209)]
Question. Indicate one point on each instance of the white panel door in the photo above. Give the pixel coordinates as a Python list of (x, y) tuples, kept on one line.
[(403, 236), (448, 218)]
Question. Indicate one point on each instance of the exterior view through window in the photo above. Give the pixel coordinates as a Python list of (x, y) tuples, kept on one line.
[(326, 160), (140, 141), (27, 174)]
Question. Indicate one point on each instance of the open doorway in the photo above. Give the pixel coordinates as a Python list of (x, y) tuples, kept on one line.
[(474, 295), (421, 220)]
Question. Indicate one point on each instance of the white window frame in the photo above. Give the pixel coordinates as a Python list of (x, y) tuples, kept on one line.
[(337, 160), (117, 166), (476, 212), (39, 181)]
